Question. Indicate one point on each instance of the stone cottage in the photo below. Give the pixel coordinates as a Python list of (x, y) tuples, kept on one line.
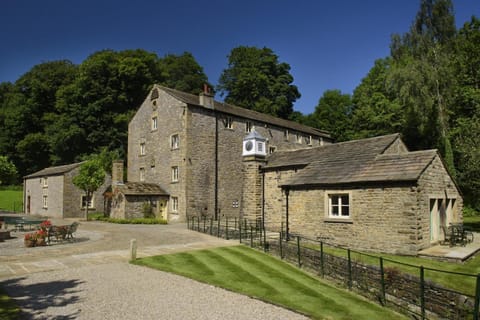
[(371, 194), (190, 146), (51, 193)]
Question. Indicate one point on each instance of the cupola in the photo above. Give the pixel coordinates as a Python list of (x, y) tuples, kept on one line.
[(254, 145)]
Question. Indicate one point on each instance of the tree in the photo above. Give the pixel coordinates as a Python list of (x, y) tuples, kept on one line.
[(90, 177), (255, 79), (8, 172), (333, 114), (182, 73)]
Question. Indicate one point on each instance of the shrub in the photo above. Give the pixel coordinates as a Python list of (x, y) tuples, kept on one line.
[(470, 212)]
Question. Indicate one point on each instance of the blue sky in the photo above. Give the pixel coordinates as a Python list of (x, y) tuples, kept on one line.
[(328, 44)]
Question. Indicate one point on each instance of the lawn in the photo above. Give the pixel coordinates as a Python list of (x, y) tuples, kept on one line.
[(259, 275), (11, 199)]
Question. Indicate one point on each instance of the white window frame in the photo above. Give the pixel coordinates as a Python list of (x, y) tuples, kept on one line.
[(175, 174), (286, 134), (45, 182), (142, 174), (174, 204), (142, 149), (174, 141), (154, 123), (90, 203), (299, 138), (340, 204), (308, 140), (45, 201)]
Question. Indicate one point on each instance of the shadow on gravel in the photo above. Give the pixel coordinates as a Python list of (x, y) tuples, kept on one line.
[(34, 299)]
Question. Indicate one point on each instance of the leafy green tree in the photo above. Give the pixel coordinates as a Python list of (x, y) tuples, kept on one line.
[(182, 72), (255, 79), (90, 177), (333, 114), (8, 172)]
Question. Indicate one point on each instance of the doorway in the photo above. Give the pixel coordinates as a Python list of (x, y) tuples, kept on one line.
[(162, 209)]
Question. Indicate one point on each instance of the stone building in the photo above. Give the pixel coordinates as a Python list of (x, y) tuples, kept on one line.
[(189, 146), (51, 193), (371, 194)]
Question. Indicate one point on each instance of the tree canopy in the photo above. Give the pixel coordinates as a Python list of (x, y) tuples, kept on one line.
[(255, 79), (90, 177)]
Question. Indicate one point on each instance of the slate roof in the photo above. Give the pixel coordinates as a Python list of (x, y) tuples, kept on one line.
[(54, 171), (141, 189), (359, 161), (192, 99)]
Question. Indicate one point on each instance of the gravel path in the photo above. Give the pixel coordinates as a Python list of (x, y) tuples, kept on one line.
[(92, 279), (124, 291)]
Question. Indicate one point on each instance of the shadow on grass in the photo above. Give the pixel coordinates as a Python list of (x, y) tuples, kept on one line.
[(34, 299)]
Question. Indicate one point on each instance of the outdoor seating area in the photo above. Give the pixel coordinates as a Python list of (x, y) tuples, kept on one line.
[(20, 223), (456, 234)]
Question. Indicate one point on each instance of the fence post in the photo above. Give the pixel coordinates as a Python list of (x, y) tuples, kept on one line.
[(280, 242), (349, 269), (477, 299), (422, 291), (211, 225), (218, 228), (226, 228), (251, 236), (240, 231), (198, 223), (204, 223), (382, 282), (235, 225), (298, 252), (321, 259)]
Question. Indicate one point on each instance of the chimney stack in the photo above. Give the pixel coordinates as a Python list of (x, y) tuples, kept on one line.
[(206, 98), (117, 172)]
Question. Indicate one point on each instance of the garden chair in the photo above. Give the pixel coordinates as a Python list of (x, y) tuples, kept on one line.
[(71, 229)]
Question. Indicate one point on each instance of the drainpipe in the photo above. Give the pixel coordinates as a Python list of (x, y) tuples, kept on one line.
[(287, 233), (263, 204), (216, 167)]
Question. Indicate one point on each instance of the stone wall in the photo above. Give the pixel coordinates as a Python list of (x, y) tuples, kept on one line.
[(54, 191), (436, 183)]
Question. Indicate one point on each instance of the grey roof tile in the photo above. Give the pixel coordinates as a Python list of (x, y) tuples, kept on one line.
[(54, 171)]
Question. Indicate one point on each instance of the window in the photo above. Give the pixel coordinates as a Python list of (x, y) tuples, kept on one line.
[(299, 138), (174, 174), (45, 182), (271, 149), (175, 141), (248, 126), (285, 134), (339, 205), (260, 146), (174, 204), (142, 149), (154, 123), (142, 174), (84, 202), (228, 122), (308, 140), (45, 202)]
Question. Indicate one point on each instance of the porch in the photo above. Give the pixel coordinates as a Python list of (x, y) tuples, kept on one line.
[(456, 253)]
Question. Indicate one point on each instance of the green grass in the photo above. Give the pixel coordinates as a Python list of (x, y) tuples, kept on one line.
[(8, 308), (472, 223), (259, 275), (11, 198), (463, 284)]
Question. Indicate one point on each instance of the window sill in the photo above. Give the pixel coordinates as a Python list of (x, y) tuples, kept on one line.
[(338, 220)]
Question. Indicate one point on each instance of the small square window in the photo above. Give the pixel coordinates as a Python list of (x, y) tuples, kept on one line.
[(142, 174), (154, 123), (175, 141), (84, 202), (174, 174), (339, 205)]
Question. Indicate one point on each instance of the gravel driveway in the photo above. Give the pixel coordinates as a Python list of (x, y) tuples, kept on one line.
[(92, 279)]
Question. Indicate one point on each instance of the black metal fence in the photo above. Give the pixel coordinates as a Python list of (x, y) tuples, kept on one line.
[(405, 287)]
